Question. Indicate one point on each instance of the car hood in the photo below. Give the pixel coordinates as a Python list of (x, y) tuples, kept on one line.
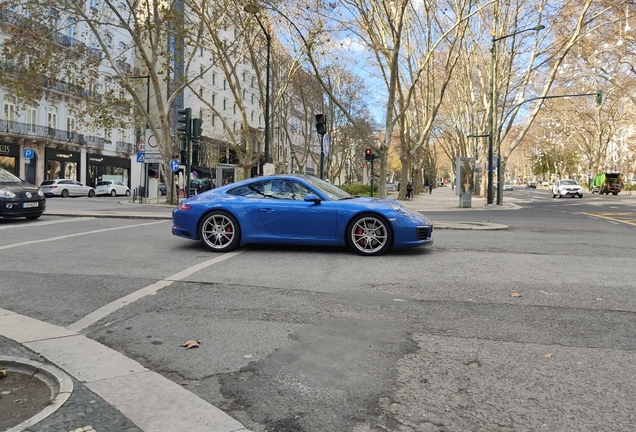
[(19, 187)]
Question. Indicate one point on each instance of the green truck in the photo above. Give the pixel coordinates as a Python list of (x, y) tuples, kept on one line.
[(606, 183)]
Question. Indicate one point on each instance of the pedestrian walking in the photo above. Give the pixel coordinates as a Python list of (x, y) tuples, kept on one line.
[(409, 190), (430, 188)]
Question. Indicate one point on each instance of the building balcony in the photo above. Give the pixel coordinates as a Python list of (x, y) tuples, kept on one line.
[(51, 134), (124, 147)]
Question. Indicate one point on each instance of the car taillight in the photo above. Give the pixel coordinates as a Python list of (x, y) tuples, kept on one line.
[(52, 187), (183, 206)]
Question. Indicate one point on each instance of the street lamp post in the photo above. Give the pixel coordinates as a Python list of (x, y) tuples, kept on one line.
[(492, 114), (253, 9)]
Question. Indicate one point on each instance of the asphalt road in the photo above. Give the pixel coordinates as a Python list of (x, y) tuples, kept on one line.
[(530, 328)]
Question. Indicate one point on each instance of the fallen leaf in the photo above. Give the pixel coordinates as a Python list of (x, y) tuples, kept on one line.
[(515, 294), (3, 372), (548, 356), (599, 299), (191, 343)]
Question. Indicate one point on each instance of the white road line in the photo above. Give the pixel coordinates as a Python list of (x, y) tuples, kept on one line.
[(77, 235), (106, 310), (38, 224)]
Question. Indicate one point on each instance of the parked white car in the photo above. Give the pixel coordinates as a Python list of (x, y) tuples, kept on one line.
[(65, 188), (507, 186), (567, 187), (112, 188)]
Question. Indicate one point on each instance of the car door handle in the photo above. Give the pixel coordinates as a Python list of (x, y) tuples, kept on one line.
[(268, 210)]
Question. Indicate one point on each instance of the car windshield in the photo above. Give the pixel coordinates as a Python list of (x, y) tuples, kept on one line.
[(7, 177), (330, 191), (568, 182), (103, 183)]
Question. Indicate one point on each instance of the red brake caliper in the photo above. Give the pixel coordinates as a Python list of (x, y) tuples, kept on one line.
[(359, 232)]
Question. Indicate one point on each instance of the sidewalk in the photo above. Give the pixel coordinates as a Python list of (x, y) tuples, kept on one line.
[(443, 198)]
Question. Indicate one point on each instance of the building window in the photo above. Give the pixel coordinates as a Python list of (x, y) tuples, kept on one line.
[(122, 47), (213, 99), (234, 127), (213, 120), (259, 119), (252, 99), (201, 52), (70, 123), (108, 40), (234, 109), (244, 76), (201, 70), (94, 4), (244, 93), (252, 83), (201, 92), (31, 118), (213, 78), (224, 104), (51, 117), (252, 116), (72, 28), (10, 112), (122, 135), (224, 84)]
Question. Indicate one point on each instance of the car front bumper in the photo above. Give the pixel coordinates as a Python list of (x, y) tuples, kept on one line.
[(15, 208)]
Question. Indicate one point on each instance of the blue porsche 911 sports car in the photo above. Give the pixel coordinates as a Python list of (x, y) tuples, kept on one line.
[(300, 210)]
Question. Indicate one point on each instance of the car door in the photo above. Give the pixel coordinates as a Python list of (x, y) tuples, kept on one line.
[(287, 215), (120, 188)]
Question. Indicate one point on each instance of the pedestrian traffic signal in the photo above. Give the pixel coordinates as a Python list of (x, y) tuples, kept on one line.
[(185, 118), (368, 155), (197, 127)]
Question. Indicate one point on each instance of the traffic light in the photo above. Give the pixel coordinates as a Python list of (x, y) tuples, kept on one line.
[(197, 127), (185, 118), (599, 98), (321, 125), (368, 155)]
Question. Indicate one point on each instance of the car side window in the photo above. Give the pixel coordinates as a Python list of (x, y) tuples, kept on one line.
[(66, 182), (253, 190), (288, 189)]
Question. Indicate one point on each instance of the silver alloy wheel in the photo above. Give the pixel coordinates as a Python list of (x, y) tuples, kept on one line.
[(218, 232), (369, 235)]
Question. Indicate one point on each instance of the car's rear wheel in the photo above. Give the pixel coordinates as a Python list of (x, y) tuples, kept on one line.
[(219, 231), (580, 195), (369, 234), (64, 193), (91, 193), (113, 193), (127, 193)]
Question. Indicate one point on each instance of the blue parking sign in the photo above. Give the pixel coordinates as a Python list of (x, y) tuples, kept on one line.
[(28, 153), (174, 165)]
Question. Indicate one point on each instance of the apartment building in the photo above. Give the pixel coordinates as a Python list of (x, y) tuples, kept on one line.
[(46, 139)]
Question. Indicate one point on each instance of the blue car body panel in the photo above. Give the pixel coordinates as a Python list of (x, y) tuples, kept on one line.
[(288, 221)]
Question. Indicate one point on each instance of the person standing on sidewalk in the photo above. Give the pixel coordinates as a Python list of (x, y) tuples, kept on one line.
[(409, 190)]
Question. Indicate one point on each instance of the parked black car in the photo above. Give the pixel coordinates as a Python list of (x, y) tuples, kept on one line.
[(198, 186), (19, 198), (531, 185)]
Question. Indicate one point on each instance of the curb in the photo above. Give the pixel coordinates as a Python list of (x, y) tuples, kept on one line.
[(59, 383), (469, 226), (110, 215)]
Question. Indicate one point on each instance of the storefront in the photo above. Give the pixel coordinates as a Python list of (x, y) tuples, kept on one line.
[(9, 154), (102, 167), (62, 164)]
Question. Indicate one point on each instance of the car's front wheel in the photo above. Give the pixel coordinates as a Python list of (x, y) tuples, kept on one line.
[(219, 231), (64, 193), (91, 193), (113, 193), (127, 193), (369, 235)]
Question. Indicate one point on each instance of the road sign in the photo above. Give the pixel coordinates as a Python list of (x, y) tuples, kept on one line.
[(152, 144), (325, 145), (140, 157), (193, 174), (174, 165), (141, 146), (152, 158), (28, 153)]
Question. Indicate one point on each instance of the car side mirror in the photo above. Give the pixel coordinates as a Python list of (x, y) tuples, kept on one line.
[(312, 198)]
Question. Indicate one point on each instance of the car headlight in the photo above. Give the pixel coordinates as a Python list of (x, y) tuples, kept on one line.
[(6, 194), (40, 192), (401, 210)]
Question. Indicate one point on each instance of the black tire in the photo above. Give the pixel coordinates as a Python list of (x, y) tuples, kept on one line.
[(219, 231), (127, 193), (580, 195), (91, 193), (113, 193), (34, 217), (64, 193), (614, 193), (369, 234)]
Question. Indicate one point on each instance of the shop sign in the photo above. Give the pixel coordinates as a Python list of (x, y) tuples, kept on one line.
[(5, 149)]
